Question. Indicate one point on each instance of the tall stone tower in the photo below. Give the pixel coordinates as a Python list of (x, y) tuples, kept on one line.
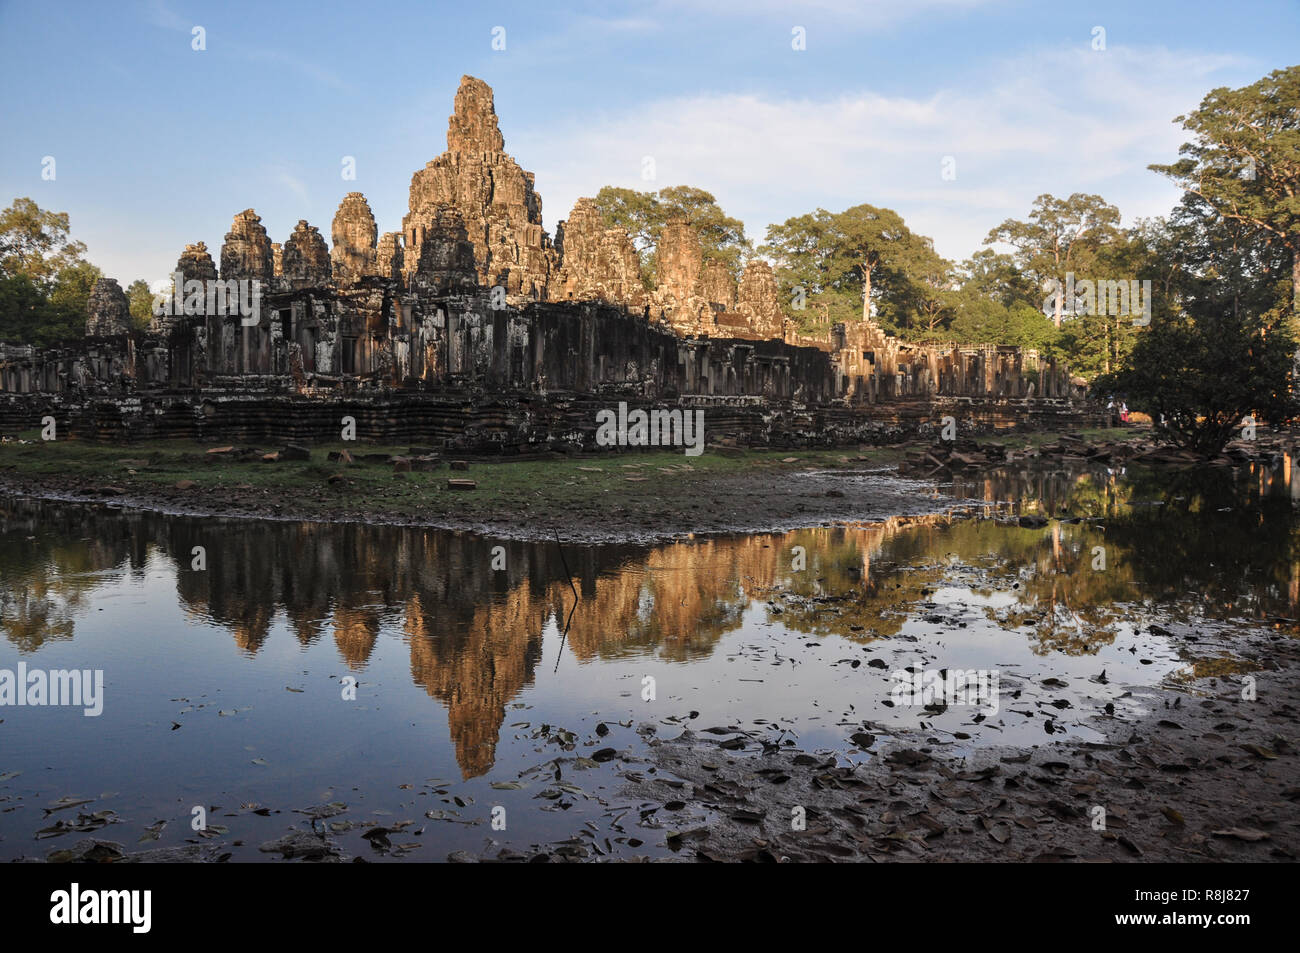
[(495, 199)]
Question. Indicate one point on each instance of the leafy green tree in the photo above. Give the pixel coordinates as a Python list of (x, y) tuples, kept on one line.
[(862, 262), (1096, 340), (35, 242), (996, 275), (33, 312), (807, 269), (71, 287), (1060, 236), (996, 303), (1220, 347), (980, 319), (24, 309), (644, 215), (44, 280), (632, 210), (1222, 263), (1201, 374), (141, 300), (929, 296), (1244, 162)]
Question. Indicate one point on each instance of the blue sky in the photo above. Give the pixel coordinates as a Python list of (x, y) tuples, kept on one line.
[(157, 144)]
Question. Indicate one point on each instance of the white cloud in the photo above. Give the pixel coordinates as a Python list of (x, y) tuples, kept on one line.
[(294, 185), (1058, 120)]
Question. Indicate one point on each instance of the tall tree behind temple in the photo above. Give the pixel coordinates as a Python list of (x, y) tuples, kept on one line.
[(997, 304), (1059, 237), (1244, 162), (36, 243), (70, 291), (996, 276), (1097, 342), (929, 292), (141, 299), (44, 280), (644, 214), (863, 262)]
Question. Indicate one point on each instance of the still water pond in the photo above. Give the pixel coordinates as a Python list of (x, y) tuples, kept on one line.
[(400, 674)]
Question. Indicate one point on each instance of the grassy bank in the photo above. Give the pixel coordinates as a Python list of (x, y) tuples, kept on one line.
[(636, 494), (361, 487)]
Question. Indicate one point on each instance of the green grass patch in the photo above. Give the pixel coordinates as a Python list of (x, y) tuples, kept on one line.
[(374, 487)]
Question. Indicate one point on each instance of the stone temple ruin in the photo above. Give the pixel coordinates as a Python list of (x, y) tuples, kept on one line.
[(472, 326)]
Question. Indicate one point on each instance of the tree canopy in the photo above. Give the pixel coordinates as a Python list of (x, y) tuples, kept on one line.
[(644, 215), (1244, 161), (1203, 375), (44, 280), (35, 242), (1060, 236), (1220, 348), (863, 262)]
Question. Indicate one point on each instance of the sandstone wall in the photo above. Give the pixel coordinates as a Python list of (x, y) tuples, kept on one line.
[(108, 310)]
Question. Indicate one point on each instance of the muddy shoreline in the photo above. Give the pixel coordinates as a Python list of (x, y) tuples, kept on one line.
[(1204, 776)]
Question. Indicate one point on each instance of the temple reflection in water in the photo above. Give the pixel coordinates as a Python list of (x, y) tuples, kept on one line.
[(475, 634)]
